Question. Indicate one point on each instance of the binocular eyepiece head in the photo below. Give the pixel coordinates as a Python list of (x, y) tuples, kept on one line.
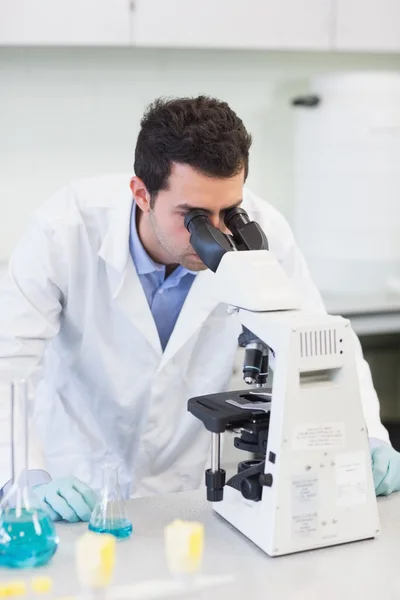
[(211, 243), (234, 219)]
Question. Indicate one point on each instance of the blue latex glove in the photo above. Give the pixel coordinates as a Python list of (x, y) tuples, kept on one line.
[(386, 470), (67, 499)]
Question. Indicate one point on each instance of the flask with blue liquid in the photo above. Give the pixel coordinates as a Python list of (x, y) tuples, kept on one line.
[(27, 534), (109, 514)]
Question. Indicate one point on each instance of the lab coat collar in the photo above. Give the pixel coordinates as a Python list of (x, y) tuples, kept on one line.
[(128, 291), (115, 247), (199, 304), (144, 264), (125, 285)]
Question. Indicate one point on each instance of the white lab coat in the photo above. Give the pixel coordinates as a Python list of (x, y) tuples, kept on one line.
[(73, 304)]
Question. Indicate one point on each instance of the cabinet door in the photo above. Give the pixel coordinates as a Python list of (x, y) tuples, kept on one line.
[(65, 22), (368, 25), (274, 24)]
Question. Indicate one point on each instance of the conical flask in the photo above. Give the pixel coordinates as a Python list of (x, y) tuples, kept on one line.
[(27, 534), (109, 514)]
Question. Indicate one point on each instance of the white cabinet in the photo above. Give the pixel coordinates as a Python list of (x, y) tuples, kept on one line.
[(359, 25), (65, 22), (277, 24), (369, 25)]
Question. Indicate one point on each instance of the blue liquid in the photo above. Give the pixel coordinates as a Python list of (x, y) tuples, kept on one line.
[(29, 540), (120, 528)]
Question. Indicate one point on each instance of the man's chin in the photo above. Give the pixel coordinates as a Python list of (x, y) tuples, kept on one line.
[(193, 263)]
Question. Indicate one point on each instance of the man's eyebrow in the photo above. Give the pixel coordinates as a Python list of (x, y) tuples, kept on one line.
[(188, 207)]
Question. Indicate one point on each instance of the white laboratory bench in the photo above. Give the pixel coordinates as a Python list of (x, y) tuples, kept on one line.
[(368, 570)]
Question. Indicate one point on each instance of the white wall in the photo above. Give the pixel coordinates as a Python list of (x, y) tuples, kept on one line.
[(66, 113)]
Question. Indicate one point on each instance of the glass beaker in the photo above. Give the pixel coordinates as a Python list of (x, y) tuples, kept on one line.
[(109, 514), (27, 535)]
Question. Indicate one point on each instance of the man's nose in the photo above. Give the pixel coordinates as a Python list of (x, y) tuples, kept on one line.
[(218, 222)]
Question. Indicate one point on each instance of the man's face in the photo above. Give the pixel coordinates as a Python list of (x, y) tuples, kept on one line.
[(190, 189)]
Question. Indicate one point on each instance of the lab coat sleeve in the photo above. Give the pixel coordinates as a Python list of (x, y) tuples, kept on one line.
[(295, 266), (31, 298)]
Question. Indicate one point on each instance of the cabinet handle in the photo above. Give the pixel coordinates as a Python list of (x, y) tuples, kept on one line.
[(310, 101)]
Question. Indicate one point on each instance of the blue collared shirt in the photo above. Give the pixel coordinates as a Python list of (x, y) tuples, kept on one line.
[(164, 295)]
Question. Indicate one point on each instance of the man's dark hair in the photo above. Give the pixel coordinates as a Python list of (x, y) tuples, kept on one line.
[(201, 132)]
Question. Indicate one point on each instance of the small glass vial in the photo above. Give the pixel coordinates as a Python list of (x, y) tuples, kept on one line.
[(109, 514)]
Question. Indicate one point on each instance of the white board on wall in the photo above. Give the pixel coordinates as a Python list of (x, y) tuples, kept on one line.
[(347, 182)]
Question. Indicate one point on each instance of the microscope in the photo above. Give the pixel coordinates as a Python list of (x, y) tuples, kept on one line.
[(310, 482)]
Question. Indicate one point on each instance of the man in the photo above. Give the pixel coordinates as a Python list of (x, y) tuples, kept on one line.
[(106, 295)]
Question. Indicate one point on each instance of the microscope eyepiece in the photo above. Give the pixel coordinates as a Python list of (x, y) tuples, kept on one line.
[(247, 234), (208, 241), (236, 218), (195, 218)]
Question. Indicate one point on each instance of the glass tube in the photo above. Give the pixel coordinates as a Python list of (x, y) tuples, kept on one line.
[(27, 534)]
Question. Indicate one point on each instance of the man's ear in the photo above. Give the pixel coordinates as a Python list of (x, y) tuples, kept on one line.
[(140, 194)]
